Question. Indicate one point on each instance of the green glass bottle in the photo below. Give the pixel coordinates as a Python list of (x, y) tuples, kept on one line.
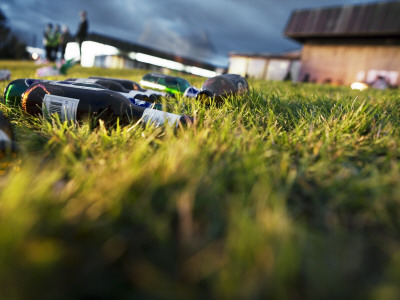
[(63, 69), (14, 90)]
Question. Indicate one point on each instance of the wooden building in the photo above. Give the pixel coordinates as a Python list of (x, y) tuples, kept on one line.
[(265, 66), (345, 44)]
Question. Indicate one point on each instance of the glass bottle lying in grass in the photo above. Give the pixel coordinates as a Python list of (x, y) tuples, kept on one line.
[(222, 86), (137, 98), (128, 84), (109, 84), (172, 85), (5, 74), (7, 144), (13, 92), (146, 95), (78, 103)]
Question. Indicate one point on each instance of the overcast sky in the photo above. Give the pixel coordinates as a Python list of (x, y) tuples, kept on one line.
[(206, 30)]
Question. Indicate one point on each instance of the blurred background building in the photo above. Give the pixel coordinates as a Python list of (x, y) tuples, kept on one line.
[(340, 45), (285, 66), (348, 43)]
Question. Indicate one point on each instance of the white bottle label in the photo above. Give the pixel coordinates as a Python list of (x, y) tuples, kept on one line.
[(4, 137), (85, 80), (63, 106), (158, 117), (141, 102), (133, 93)]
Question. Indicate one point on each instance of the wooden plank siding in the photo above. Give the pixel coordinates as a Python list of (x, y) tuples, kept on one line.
[(340, 64), (342, 43)]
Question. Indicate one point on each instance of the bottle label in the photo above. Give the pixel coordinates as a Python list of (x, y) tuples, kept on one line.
[(137, 101), (133, 93), (191, 92), (140, 102), (4, 137), (63, 106), (158, 118), (85, 80)]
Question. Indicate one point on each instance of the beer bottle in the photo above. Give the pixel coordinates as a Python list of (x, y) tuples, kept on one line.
[(143, 100), (63, 69), (77, 103), (145, 95), (222, 86), (191, 92), (7, 144), (14, 90), (128, 84), (108, 84), (135, 89), (5, 75), (136, 97)]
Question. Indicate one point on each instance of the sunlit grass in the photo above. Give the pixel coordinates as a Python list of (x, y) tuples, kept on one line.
[(289, 192)]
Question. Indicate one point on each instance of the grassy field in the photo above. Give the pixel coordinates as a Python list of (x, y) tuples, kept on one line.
[(289, 192)]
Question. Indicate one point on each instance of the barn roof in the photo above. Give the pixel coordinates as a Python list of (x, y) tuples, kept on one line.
[(290, 55), (380, 19)]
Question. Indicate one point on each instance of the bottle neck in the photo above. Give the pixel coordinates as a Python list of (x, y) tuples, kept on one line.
[(13, 92)]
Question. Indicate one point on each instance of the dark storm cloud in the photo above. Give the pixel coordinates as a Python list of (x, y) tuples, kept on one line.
[(202, 29)]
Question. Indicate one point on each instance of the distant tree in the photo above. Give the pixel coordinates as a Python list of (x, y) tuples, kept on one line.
[(10, 46)]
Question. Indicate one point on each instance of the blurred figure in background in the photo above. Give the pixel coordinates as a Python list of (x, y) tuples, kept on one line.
[(82, 30), (48, 37), (55, 42), (65, 38), (380, 83)]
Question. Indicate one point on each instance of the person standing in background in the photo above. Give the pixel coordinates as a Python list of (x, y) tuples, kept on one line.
[(65, 38), (55, 42), (48, 37), (82, 30)]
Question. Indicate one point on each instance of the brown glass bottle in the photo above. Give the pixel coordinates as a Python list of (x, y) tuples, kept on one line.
[(108, 84), (128, 84), (222, 86)]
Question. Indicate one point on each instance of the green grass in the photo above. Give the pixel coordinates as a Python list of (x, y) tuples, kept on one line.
[(289, 192)]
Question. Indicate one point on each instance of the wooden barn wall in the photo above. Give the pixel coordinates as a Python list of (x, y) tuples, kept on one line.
[(343, 64)]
